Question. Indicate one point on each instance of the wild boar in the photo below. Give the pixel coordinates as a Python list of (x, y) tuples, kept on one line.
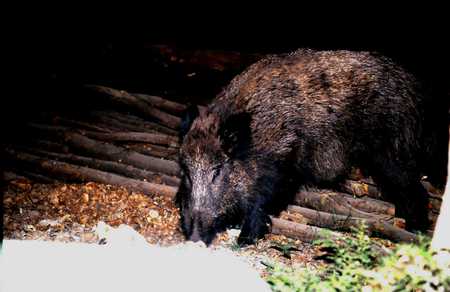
[(302, 119)]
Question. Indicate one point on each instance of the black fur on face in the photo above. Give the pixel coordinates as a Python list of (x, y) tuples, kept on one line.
[(213, 177)]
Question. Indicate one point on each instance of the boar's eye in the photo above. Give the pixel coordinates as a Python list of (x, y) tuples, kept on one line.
[(216, 171)]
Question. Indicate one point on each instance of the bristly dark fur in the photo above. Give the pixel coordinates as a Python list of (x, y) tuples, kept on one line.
[(303, 119)]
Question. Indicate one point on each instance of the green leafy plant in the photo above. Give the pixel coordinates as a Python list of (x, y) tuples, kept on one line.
[(410, 268), (285, 249), (235, 246), (353, 265)]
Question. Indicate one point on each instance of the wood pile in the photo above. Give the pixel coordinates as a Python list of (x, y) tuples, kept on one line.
[(135, 144)]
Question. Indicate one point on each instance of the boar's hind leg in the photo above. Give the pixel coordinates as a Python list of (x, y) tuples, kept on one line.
[(400, 184)]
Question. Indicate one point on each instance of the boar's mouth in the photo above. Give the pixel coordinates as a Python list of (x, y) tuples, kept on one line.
[(207, 234), (206, 237)]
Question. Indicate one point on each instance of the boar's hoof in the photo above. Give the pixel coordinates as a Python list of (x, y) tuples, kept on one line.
[(252, 231), (246, 240)]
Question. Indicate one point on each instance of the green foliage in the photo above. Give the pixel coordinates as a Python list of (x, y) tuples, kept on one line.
[(294, 279), (235, 246), (411, 268), (355, 267), (285, 249)]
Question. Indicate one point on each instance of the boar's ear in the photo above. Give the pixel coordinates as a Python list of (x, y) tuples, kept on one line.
[(187, 119), (235, 134)]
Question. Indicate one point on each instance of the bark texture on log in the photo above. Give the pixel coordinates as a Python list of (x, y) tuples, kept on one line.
[(127, 122), (368, 188), (168, 153), (49, 145), (338, 203), (10, 175), (299, 231), (136, 122), (162, 103), (51, 130), (82, 173), (117, 126), (109, 151), (368, 204), (159, 139), (360, 189), (347, 223), (39, 177), (114, 167), (80, 125), (123, 97), (112, 152)]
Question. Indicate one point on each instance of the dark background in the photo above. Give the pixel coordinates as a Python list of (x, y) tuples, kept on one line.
[(50, 61)]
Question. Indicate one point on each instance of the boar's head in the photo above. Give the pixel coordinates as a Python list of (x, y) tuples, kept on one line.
[(215, 174)]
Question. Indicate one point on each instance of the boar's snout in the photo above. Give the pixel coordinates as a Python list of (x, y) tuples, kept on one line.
[(195, 236), (202, 230)]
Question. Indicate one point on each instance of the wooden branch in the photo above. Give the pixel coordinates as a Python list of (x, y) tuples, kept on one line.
[(434, 204), (432, 191), (111, 166), (80, 125), (338, 203), (39, 177), (136, 122), (85, 174), (48, 129), (111, 120), (161, 103), (116, 126), (111, 152), (169, 153), (347, 223), (369, 205), (360, 189), (49, 145), (309, 234), (10, 175), (124, 98), (159, 139), (366, 187), (300, 231), (356, 174), (24, 176)]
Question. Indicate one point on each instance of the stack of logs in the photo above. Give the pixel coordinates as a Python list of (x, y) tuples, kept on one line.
[(137, 147)]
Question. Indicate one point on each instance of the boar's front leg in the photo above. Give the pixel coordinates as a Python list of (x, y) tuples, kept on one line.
[(255, 225), (271, 193)]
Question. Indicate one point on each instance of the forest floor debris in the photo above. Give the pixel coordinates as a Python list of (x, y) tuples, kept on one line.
[(71, 212)]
